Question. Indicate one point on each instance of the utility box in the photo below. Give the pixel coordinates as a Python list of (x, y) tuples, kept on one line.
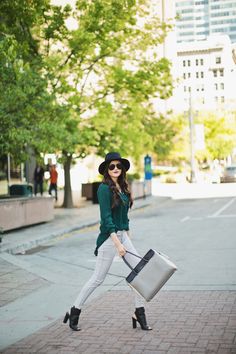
[(24, 190)]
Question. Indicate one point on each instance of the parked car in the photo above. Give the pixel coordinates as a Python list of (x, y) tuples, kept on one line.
[(214, 177), (229, 174)]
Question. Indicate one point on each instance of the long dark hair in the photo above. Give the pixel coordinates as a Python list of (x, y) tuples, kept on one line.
[(116, 199)]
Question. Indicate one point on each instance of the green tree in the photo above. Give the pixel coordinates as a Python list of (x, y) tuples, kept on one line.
[(25, 104), (28, 109), (220, 133), (108, 73), (100, 76)]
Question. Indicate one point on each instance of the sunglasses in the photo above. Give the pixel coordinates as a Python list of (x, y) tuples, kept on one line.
[(112, 166)]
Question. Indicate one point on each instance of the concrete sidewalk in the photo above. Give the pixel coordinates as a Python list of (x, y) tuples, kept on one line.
[(183, 321)]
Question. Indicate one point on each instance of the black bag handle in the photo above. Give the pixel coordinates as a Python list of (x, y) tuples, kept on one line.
[(127, 263)]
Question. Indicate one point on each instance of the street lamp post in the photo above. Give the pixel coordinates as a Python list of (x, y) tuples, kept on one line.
[(191, 132)]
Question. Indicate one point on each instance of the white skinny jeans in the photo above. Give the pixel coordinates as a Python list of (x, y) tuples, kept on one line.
[(106, 254)]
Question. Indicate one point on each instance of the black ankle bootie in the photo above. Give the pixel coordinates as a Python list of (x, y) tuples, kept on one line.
[(73, 318), (139, 315)]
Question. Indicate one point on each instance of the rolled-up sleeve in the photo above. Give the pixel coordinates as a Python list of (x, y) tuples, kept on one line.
[(104, 198)]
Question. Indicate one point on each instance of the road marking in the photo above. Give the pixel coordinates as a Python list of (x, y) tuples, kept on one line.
[(185, 219), (222, 216), (218, 212)]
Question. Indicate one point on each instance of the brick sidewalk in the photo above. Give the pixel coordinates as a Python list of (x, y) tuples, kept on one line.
[(16, 282), (183, 322)]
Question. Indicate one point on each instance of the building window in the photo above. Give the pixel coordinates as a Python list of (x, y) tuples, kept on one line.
[(197, 74), (221, 72), (218, 60), (202, 74), (185, 88), (189, 74), (203, 2), (216, 86), (201, 61), (184, 63), (202, 87), (222, 86), (196, 61), (184, 76), (222, 99), (189, 63), (215, 73)]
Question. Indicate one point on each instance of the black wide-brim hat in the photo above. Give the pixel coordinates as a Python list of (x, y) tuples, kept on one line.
[(112, 156)]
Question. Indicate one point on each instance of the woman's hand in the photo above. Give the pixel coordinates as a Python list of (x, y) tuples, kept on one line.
[(121, 250)]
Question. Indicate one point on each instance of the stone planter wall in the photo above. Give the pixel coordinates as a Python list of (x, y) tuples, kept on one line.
[(19, 212), (140, 189)]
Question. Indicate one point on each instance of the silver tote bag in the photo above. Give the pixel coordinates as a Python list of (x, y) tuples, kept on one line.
[(150, 274)]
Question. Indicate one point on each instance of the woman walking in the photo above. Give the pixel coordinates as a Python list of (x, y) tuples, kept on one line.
[(114, 200)]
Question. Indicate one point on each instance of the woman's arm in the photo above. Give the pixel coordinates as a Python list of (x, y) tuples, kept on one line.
[(104, 199), (120, 248)]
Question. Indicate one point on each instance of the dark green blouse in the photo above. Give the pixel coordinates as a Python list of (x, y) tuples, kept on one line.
[(112, 219)]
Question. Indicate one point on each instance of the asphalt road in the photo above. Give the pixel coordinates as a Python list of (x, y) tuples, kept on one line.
[(199, 235)]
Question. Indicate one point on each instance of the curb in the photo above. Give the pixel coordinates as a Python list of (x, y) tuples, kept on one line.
[(22, 248)]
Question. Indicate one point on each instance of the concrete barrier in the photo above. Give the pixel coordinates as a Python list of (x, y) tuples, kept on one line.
[(20, 212), (139, 189)]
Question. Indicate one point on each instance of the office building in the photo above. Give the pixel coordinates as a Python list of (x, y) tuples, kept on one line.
[(198, 19), (206, 72)]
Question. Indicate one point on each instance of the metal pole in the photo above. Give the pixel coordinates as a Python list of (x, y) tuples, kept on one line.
[(8, 170), (191, 132), (22, 172)]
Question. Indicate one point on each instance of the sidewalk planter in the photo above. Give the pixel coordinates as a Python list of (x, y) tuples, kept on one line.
[(89, 191), (139, 189), (20, 212)]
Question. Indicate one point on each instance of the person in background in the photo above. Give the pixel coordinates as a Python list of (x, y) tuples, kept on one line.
[(38, 179), (53, 180)]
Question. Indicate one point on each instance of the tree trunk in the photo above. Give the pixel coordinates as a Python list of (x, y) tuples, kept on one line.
[(68, 202)]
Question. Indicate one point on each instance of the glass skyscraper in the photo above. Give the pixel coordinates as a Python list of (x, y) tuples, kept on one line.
[(197, 19)]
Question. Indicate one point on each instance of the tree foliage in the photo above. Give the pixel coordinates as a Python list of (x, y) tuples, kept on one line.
[(26, 107), (73, 89), (219, 136)]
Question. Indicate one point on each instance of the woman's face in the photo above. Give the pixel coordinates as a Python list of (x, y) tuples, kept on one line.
[(114, 169)]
